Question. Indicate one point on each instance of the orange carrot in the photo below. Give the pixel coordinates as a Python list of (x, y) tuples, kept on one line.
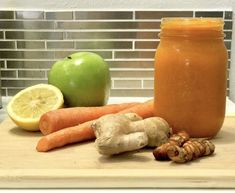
[(67, 117), (144, 110), (79, 133), (84, 131)]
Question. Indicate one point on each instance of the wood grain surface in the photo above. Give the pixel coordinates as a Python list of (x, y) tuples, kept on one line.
[(81, 166)]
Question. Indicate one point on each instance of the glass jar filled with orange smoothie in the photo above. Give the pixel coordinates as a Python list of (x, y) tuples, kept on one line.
[(190, 75)]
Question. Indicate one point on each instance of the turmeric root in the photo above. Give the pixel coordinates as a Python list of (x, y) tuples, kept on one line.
[(180, 148), (160, 153), (117, 133), (190, 150)]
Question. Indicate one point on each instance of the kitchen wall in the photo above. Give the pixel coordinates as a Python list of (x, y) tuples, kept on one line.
[(131, 59), (118, 4)]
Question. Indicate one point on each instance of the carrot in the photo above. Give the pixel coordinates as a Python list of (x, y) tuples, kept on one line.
[(84, 131), (144, 110), (67, 117)]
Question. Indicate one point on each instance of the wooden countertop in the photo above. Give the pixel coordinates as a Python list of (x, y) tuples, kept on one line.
[(80, 165)]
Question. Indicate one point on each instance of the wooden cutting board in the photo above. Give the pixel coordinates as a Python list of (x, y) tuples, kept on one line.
[(80, 166)]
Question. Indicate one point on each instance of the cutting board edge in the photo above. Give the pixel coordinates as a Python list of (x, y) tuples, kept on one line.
[(116, 178)]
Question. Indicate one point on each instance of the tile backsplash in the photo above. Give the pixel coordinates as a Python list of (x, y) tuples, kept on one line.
[(31, 41)]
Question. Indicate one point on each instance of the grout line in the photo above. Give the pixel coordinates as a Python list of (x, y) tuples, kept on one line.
[(109, 20), (133, 69), (106, 59), (73, 15), (231, 20), (137, 78), (112, 81), (6, 40), (129, 89), (44, 15), (126, 9), (142, 83), (27, 69), (29, 59), (4, 35), (132, 78), (13, 87), (141, 69), (113, 54), (10, 69), (45, 74), (90, 40), (133, 15), (17, 73), (107, 40), (65, 35), (24, 78), (27, 40), (45, 49), (81, 49), (79, 20), (55, 40), (89, 30), (7, 91), (132, 46), (83, 30), (132, 59), (92, 20), (5, 64), (45, 44), (16, 44), (84, 20), (139, 49), (55, 25), (14, 15), (132, 9)]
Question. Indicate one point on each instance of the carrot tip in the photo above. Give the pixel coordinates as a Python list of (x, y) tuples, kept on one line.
[(42, 145)]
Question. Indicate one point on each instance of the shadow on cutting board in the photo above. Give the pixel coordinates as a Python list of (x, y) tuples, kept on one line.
[(127, 156), (23, 133)]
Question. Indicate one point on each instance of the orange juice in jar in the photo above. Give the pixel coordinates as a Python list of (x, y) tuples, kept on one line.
[(190, 75)]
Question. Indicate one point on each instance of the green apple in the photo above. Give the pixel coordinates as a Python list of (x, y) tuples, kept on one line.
[(83, 78)]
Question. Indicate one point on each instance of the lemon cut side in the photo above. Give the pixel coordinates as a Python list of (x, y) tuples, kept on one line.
[(27, 106)]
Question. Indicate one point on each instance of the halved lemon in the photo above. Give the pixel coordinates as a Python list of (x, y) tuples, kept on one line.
[(27, 106)]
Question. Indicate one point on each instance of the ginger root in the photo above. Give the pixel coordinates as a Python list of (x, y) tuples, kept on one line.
[(180, 148), (117, 133)]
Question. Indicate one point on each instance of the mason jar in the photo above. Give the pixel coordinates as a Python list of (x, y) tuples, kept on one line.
[(190, 75)]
